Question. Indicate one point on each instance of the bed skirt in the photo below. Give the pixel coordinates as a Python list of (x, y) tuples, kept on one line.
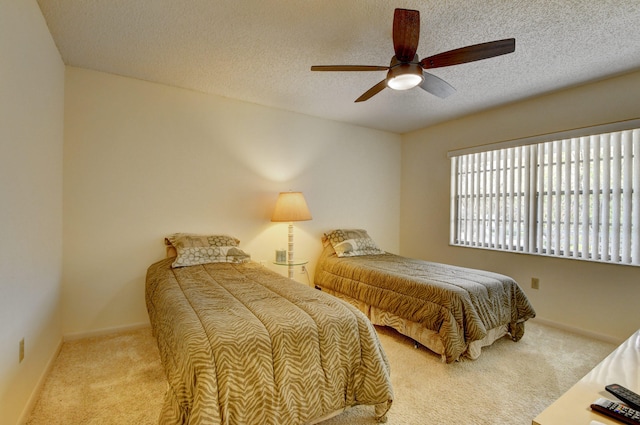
[(426, 337)]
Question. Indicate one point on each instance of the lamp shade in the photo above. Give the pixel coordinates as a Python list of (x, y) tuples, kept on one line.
[(291, 206)]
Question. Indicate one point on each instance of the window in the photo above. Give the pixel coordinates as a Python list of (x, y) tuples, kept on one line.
[(575, 195)]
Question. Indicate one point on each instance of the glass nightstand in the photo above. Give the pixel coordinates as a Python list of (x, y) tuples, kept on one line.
[(295, 262), (291, 265)]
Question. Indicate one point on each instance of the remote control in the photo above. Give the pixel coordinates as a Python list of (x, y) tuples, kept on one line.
[(625, 395), (616, 411)]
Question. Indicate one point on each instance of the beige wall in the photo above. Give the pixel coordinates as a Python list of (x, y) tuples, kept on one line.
[(143, 160), (594, 298), (31, 137)]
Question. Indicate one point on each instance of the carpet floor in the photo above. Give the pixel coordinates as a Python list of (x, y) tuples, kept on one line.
[(118, 379)]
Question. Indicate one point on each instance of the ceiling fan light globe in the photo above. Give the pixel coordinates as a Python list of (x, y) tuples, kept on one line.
[(404, 82), (405, 76)]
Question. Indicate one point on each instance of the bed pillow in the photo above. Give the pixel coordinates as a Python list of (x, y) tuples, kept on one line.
[(352, 243), (194, 249)]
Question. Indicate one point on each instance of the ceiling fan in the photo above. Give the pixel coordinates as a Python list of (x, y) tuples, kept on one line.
[(406, 70)]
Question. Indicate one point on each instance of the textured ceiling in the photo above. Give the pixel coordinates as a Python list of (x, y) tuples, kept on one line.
[(260, 51)]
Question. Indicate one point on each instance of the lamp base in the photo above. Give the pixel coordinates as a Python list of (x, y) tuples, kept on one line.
[(290, 251)]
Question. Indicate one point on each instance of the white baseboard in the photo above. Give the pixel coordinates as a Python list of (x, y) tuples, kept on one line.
[(579, 331), (105, 331), (33, 398)]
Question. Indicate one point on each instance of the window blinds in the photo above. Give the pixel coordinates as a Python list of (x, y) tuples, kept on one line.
[(578, 197)]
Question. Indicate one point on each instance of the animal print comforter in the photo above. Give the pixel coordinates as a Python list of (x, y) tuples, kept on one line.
[(243, 345), (460, 304)]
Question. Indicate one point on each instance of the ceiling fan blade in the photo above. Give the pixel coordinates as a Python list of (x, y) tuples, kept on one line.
[(349, 68), (436, 86), (373, 91), (406, 33), (472, 53)]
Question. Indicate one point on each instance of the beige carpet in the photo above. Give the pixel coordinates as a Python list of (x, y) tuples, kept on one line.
[(117, 379)]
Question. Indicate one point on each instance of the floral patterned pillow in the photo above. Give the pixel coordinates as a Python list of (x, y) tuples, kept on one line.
[(352, 243), (203, 249)]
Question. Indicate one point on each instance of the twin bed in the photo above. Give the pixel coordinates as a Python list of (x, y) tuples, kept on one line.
[(241, 344), (453, 311)]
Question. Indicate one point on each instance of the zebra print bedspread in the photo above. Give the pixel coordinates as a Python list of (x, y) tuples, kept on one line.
[(461, 304), (243, 345)]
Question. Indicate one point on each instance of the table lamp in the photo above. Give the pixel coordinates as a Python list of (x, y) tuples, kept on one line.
[(290, 207)]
